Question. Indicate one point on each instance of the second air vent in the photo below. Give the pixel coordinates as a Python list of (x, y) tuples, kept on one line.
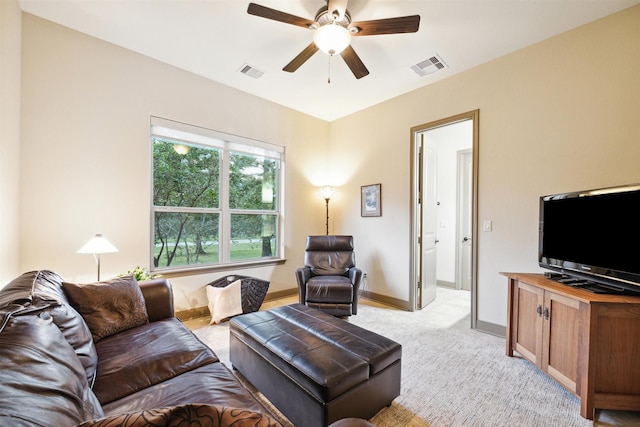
[(429, 66), (251, 71)]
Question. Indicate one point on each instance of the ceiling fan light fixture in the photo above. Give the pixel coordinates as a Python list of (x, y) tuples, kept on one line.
[(332, 38)]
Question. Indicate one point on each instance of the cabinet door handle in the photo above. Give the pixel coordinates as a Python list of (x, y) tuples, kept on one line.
[(546, 313), (539, 310)]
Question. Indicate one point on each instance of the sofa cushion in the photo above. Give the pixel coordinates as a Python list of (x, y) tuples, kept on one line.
[(108, 307), (42, 381), (46, 286), (213, 384), (43, 283), (77, 333), (188, 415), (140, 357)]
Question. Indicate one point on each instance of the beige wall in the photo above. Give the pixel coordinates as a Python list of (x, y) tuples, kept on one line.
[(560, 115), (85, 154), (10, 23), (556, 116)]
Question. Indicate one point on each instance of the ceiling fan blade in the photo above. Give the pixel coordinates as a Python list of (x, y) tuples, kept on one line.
[(354, 63), (276, 15), (301, 58), (339, 6), (403, 24)]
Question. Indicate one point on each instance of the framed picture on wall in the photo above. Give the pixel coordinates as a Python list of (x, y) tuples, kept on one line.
[(371, 200)]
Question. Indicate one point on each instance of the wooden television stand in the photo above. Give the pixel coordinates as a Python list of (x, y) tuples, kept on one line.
[(587, 342)]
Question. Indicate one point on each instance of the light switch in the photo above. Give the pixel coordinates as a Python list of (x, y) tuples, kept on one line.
[(488, 225)]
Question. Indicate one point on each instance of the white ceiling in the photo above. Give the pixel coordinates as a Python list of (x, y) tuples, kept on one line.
[(215, 38)]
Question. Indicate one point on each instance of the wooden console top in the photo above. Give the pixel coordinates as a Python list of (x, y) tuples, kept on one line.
[(573, 292)]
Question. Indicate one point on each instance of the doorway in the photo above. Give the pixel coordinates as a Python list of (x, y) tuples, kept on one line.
[(444, 208)]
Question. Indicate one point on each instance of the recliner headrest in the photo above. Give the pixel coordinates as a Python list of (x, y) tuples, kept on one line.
[(329, 243)]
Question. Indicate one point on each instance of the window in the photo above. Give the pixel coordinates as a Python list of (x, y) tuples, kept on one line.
[(216, 198)]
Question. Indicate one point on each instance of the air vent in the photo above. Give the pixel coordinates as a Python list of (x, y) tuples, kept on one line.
[(251, 71), (429, 66)]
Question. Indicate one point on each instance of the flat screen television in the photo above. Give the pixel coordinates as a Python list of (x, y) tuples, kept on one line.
[(591, 238)]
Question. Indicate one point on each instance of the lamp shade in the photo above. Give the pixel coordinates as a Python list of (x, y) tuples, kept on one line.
[(332, 38), (327, 191), (98, 245)]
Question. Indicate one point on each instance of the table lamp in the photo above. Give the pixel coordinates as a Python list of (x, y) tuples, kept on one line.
[(97, 245)]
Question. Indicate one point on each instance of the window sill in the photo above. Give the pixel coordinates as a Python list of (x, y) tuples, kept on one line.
[(195, 270)]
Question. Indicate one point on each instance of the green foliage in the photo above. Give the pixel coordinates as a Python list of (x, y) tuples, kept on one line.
[(139, 273), (185, 180), (247, 177), (193, 180)]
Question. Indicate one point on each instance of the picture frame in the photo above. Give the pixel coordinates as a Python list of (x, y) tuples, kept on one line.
[(371, 200)]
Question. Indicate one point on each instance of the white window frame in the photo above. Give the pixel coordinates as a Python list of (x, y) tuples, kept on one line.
[(227, 143)]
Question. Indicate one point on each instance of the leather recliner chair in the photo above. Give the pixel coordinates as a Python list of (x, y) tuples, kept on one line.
[(329, 280)]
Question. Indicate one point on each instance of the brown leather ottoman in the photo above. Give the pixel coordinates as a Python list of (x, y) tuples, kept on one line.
[(314, 367)]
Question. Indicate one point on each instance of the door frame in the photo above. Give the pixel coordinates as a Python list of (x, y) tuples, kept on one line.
[(415, 249)]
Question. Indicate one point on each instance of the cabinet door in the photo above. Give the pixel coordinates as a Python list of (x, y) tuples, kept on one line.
[(528, 326), (561, 336)]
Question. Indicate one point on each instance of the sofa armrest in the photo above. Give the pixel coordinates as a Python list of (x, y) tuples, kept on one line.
[(158, 296)]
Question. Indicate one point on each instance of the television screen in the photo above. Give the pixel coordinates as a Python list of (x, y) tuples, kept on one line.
[(593, 233)]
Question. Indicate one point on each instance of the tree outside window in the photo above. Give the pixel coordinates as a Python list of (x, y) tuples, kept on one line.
[(212, 204)]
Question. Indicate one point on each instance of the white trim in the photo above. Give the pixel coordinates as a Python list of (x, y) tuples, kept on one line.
[(212, 138)]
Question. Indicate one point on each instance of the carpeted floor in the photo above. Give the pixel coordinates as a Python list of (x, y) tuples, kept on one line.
[(451, 375)]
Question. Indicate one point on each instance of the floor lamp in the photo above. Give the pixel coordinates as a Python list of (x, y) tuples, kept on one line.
[(96, 246), (327, 192)]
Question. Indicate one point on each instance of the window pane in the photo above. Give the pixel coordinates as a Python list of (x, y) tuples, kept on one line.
[(185, 175), (215, 198), (252, 182), (252, 236), (185, 239)]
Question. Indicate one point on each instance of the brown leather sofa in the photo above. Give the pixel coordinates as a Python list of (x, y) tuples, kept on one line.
[(54, 372)]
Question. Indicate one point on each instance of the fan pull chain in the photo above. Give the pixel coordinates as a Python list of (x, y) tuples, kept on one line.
[(329, 72)]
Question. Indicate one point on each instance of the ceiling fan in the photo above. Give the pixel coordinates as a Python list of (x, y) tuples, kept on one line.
[(333, 31)]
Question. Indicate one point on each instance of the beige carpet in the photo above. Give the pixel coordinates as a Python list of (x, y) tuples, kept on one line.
[(451, 375)]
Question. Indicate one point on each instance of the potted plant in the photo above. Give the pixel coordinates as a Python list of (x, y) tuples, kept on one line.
[(140, 274)]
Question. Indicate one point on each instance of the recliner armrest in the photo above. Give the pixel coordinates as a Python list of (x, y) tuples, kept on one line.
[(355, 275), (158, 296), (303, 274)]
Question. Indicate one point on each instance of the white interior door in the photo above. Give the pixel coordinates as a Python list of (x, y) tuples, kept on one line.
[(465, 180), (429, 226)]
